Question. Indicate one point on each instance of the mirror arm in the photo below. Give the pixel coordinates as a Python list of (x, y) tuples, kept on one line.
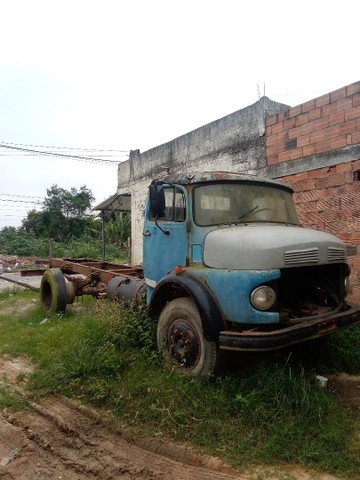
[(165, 232)]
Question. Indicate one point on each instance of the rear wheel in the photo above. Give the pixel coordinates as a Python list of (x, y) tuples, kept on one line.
[(181, 340), (53, 292)]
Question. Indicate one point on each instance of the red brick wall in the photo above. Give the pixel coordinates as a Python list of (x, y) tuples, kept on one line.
[(323, 124), (327, 198)]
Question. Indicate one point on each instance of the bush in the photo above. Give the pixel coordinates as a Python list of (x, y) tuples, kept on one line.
[(17, 241)]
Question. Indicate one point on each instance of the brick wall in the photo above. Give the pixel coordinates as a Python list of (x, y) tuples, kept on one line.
[(319, 142), (329, 199), (326, 123)]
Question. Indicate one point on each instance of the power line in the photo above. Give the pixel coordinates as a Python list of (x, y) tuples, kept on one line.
[(67, 148), (20, 201), (21, 196), (31, 153), (80, 158), (12, 210), (61, 155), (101, 158)]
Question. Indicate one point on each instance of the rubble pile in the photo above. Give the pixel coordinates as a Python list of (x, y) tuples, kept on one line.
[(12, 263)]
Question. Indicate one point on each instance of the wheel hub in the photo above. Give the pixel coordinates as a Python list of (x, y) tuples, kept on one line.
[(184, 345)]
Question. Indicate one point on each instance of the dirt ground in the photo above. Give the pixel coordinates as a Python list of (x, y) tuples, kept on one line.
[(57, 438), (10, 276), (61, 439)]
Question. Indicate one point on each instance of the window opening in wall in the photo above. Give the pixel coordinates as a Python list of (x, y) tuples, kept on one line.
[(357, 176)]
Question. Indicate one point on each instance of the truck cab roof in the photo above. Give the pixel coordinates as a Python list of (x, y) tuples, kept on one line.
[(189, 178)]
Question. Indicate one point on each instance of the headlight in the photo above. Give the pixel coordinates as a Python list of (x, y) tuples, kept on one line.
[(263, 298)]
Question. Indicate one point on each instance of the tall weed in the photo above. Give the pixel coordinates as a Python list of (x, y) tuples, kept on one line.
[(92, 362)]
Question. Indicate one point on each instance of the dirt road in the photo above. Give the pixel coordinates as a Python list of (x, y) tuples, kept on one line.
[(61, 439), (57, 438)]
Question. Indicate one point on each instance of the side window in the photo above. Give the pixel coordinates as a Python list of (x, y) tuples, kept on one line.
[(174, 205)]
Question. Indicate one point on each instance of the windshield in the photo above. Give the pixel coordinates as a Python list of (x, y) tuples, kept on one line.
[(227, 203)]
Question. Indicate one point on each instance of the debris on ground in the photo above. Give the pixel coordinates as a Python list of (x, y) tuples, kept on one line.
[(11, 263)]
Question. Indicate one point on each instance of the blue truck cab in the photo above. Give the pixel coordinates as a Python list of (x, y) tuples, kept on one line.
[(227, 266)]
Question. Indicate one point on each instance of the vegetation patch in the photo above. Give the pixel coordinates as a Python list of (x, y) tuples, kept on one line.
[(11, 400), (260, 409), (67, 227)]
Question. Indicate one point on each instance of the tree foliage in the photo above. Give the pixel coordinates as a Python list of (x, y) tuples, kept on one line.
[(117, 227), (71, 203), (65, 213), (67, 223)]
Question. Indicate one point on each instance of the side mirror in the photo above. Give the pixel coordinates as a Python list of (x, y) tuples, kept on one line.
[(153, 200), (157, 200)]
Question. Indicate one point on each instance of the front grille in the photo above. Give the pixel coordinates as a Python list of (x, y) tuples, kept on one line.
[(336, 254), (298, 257), (310, 290)]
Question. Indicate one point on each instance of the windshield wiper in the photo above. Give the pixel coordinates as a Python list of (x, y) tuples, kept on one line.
[(248, 212)]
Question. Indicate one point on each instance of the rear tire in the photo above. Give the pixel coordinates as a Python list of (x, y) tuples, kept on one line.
[(181, 340), (53, 292)]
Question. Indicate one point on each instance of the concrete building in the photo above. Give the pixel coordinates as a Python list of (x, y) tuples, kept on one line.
[(314, 147)]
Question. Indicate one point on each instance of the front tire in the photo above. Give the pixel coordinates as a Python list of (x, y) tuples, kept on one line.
[(181, 340), (53, 292)]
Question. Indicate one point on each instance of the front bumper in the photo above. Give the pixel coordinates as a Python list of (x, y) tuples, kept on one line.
[(260, 341)]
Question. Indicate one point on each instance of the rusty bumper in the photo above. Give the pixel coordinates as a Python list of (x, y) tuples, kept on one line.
[(259, 341)]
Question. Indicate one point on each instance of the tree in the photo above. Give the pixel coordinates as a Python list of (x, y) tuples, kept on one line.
[(71, 203), (63, 214), (34, 223)]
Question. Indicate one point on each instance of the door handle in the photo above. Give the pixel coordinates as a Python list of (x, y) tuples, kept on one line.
[(147, 234)]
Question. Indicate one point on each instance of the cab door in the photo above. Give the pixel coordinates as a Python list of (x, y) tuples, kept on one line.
[(165, 236)]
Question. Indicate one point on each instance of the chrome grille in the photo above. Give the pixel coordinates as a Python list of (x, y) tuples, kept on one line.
[(336, 254), (308, 255)]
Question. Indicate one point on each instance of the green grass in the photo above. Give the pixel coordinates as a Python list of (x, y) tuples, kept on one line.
[(262, 409), (11, 400)]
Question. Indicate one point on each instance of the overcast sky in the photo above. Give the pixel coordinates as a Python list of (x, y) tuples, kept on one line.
[(133, 74)]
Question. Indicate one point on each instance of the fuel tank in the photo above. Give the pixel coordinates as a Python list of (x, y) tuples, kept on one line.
[(125, 289)]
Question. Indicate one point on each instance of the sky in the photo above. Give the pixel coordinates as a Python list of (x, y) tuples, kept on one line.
[(97, 79)]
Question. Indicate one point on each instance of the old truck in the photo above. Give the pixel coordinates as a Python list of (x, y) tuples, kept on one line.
[(226, 266)]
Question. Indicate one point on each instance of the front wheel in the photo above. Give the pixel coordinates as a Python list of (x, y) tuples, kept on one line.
[(181, 340)]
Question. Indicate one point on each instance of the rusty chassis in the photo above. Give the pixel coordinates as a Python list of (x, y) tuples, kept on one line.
[(91, 277), (97, 270)]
